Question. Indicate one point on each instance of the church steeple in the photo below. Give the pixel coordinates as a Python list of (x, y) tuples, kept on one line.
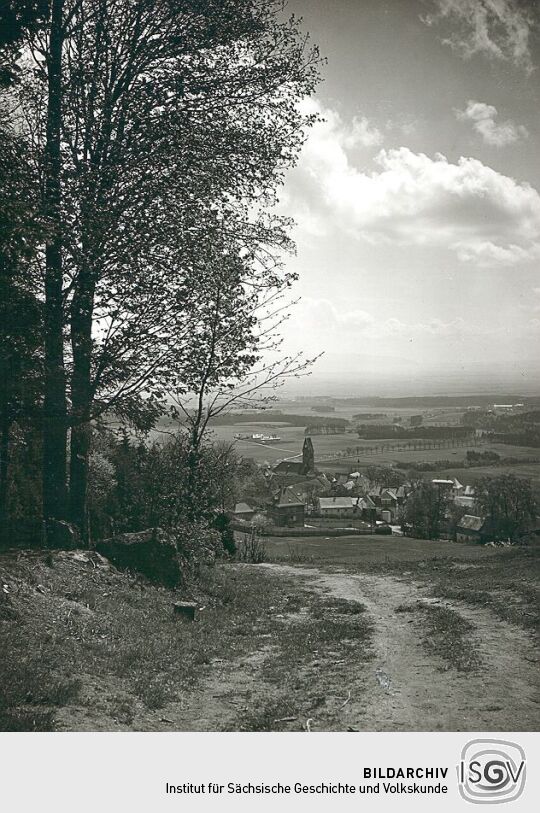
[(308, 456)]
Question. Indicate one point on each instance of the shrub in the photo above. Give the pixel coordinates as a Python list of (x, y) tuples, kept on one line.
[(251, 548)]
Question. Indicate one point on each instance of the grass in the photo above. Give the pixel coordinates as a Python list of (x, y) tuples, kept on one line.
[(80, 638), (88, 619), (316, 647), (34, 679), (447, 635), (81, 641), (369, 549), (326, 627), (270, 714), (505, 582)]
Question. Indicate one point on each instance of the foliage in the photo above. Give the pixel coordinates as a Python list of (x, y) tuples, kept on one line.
[(158, 169), (424, 511), (251, 548), (20, 321), (508, 503), (135, 486), (482, 458), (222, 523), (384, 476)]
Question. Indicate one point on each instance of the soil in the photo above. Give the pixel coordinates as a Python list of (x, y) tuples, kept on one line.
[(421, 694), (295, 648), (402, 688)]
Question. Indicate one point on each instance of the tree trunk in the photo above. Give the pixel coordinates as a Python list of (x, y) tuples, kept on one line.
[(54, 406), (81, 396), (4, 465)]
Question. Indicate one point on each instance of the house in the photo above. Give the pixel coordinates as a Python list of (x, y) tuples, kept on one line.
[(289, 467), (464, 502), (243, 511), (470, 529), (287, 511), (402, 492), (336, 506), (375, 494), (389, 503), (366, 508), (444, 486)]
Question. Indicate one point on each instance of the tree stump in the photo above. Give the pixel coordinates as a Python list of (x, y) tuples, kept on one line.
[(186, 610)]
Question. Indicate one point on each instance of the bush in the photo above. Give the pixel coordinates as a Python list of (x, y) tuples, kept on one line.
[(222, 524), (251, 548)]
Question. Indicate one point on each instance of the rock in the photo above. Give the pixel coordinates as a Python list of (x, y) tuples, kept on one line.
[(187, 610), (62, 535), (152, 552)]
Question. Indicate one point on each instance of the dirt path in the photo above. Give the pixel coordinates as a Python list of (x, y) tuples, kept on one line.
[(385, 680), (406, 688)]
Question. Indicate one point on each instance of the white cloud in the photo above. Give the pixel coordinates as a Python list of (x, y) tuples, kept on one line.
[(488, 253), (359, 133), (497, 28), (324, 317), (483, 117), (412, 199), (406, 125), (363, 133)]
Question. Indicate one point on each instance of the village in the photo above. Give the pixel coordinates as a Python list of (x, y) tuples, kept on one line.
[(304, 501)]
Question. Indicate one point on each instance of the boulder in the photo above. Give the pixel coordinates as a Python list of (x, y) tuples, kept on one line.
[(61, 535), (153, 553)]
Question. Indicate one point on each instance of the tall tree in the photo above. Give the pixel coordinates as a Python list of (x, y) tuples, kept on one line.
[(54, 403), (508, 503), (20, 312), (177, 121), (182, 128), (424, 511)]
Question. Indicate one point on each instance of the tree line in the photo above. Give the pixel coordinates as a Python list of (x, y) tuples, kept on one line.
[(142, 147)]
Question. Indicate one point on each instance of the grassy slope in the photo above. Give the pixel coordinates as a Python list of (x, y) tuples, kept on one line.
[(87, 647)]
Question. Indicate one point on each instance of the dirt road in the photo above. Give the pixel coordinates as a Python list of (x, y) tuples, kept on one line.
[(326, 648), (409, 689)]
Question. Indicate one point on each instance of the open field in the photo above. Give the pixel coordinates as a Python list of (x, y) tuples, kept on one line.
[(292, 438), (471, 475), (369, 549)]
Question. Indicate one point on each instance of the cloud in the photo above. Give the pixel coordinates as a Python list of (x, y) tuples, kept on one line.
[(406, 125), (498, 28), (363, 133), (359, 133), (483, 117), (322, 316), (410, 198)]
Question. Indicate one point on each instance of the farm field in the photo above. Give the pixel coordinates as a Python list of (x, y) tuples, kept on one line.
[(470, 476), (369, 549), (388, 458), (432, 415), (292, 438)]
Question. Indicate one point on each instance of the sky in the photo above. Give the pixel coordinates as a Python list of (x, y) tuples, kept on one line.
[(417, 198)]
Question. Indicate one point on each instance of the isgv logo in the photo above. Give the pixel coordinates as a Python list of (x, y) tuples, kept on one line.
[(491, 771)]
